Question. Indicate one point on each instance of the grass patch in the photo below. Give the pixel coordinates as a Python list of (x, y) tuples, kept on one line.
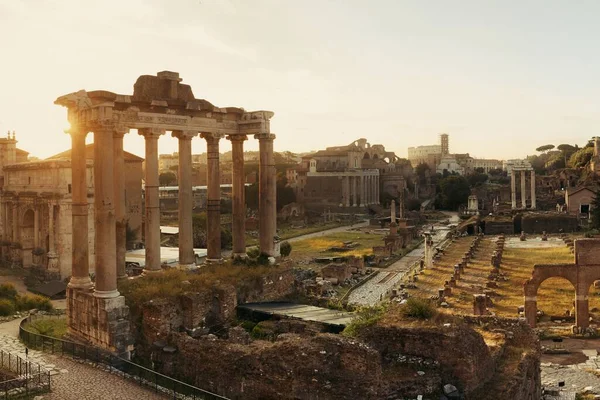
[(53, 327), (318, 247)]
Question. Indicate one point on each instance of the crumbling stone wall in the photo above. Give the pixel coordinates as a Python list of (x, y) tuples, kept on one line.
[(325, 366), (464, 358)]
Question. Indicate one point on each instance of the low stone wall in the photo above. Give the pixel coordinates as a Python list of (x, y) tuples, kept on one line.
[(550, 223)]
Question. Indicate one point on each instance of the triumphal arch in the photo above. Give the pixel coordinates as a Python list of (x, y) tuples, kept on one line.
[(159, 104)]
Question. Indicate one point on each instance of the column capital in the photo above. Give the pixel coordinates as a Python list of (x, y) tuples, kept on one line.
[(184, 135), (120, 131), (151, 133), (237, 138), (210, 136), (104, 125), (265, 136)]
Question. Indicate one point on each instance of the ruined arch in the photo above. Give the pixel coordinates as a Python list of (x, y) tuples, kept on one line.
[(581, 274), (366, 156)]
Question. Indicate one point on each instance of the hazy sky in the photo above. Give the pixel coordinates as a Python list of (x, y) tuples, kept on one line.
[(502, 77)]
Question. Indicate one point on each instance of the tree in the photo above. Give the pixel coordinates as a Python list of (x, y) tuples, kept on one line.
[(545, 148), (453, 191), (477, 179), (567, 150), (167, 179), (199, 227), (421, 171), (581, 157)]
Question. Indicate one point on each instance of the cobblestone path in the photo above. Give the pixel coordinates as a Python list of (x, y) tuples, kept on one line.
[(73, 380)]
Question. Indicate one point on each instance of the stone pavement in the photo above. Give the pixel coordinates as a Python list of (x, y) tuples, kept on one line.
[(73, 380), (377, 287), (577, 377)]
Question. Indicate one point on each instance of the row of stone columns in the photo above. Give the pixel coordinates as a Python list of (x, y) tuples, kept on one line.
[(360, 190), (513, 189), (109, 203)]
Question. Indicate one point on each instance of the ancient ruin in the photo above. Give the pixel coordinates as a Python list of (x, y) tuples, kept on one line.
[(161, 103), (581, 274)]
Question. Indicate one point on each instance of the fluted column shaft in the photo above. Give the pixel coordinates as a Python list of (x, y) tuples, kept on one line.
[(362, 191), (523, 190), (187, 257), (213, 202), (104, 209), (267, 194), (513, 189), (238, 224), (120, 206), (80, 261), (152, 204)]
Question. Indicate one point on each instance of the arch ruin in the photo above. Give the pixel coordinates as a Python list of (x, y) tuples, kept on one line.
[(582, 274)]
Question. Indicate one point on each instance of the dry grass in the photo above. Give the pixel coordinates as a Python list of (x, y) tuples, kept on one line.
[(168, 284), (318, 247)]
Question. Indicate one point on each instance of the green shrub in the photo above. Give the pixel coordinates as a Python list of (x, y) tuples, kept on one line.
[(263, 259), (27, 302), (285, 248), (253, 252), (418, 308), (365, 317), (7, 307), (248, 326), (8, 291)]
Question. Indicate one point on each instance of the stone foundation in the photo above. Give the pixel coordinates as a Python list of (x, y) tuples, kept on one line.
[(100, 322)]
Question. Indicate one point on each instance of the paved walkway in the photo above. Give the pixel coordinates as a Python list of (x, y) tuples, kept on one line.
[(376, 288), (73, 380)]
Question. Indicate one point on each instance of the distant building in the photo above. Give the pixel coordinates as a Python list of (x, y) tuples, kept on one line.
[(451, 164), (430, 155), (486, 164), (36, 206), (354, 175), (579, 200)]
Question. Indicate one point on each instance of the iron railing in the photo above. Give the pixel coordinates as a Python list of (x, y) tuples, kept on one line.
[(30, 378), (114, 364)]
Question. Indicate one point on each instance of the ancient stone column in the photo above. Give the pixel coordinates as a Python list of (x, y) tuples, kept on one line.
[(152, 203), (187, 258), (36, 226), (52, 256), (80, 275), (238, 224), (533, 200), (513, 189), (523, 190), (369, 188), (104, 212), (213, 201), (347, 191), (362, 191), (267, 194), (120, 206), (354, 191), (15, 222), (377, 188)]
